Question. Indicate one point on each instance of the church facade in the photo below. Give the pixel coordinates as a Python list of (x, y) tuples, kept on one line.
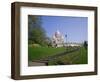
[(58, 41)]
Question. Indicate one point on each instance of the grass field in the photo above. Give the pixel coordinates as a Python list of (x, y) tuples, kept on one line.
[(77, 57), (42, 52)]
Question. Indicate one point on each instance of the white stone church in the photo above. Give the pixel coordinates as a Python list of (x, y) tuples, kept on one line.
[(58, 41)]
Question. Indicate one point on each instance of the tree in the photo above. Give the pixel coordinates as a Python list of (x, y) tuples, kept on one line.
[(48, 42), (36, 33), (85, 44)]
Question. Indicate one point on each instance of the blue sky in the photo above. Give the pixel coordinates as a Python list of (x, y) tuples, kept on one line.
[(76, 28)]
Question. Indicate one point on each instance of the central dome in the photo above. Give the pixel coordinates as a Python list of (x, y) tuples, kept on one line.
[(57, 33)]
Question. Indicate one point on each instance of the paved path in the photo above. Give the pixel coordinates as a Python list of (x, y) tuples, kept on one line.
[(30, 63)]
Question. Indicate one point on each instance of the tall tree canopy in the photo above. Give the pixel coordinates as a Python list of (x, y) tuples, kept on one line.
[(85, 44), (36, 34)]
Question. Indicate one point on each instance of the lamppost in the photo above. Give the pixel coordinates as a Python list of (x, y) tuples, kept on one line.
[(66, 41)]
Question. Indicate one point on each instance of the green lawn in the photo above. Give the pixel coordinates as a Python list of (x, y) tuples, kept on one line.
[(77, 57), (43, 52)]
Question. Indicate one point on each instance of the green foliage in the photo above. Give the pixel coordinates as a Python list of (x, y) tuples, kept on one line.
[(34, 45), (36, 34), (85, 44), (30, 42)]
